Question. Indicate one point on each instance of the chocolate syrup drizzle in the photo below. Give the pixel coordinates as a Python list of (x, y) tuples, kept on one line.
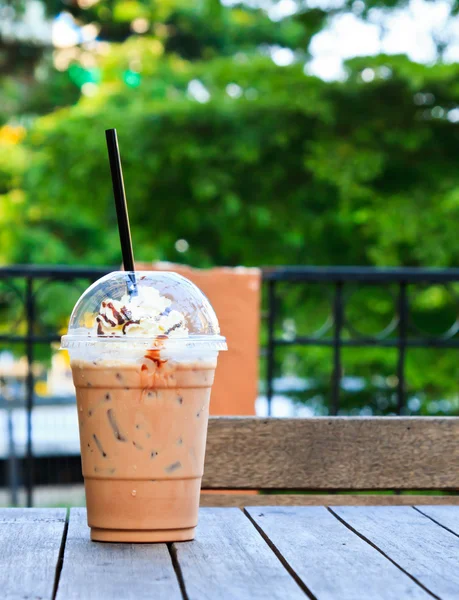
[(124, 318)]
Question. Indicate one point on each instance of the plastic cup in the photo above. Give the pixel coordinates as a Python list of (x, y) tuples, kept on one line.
[(143, 364)]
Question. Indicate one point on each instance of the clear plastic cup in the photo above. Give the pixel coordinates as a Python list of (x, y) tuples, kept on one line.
[(143, 359)]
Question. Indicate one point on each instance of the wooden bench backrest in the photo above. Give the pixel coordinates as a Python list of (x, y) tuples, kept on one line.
[(333, 454)]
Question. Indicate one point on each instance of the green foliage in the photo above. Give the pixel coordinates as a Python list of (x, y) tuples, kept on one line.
[(309, 172)]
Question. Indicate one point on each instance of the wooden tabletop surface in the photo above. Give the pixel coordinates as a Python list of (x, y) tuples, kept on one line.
[(342, 553)]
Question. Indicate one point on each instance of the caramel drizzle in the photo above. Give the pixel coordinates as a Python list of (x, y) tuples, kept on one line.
[(154, 356)]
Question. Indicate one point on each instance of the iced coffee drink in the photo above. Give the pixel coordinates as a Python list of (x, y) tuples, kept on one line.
[(143, 365)]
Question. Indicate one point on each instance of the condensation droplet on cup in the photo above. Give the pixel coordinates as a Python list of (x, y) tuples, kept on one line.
[(134, 492)]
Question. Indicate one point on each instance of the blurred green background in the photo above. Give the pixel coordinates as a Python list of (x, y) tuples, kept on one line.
[(234, 153)]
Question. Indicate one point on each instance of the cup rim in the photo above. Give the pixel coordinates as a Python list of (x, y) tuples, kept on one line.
[(211, 342)]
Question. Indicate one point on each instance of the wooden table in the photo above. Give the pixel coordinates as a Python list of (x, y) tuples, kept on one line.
[(340, 553)]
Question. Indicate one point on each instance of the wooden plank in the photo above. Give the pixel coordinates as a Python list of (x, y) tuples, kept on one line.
[(333, 453), (230, 560), (332, 561), (446, 516), (30, 542), (99, 571), (241, 500), (419, 546)]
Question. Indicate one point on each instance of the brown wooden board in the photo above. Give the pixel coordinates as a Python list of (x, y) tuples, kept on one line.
[(420, 547), (102, 571), (30, 542), (333, 562), (337, 453), (241, 500), (230, 560)]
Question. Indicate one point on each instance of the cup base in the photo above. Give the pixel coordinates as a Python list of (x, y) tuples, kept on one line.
[(159, 511), (142, 536)]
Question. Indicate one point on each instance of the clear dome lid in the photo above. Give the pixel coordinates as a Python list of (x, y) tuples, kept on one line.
[(145, 308)]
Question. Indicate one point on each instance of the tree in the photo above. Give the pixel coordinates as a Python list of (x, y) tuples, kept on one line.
[(270, 155)]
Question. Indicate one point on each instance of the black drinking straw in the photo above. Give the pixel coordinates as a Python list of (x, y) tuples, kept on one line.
[(121, 206)]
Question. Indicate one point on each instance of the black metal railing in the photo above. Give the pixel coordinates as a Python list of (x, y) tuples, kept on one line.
[(23, 285), (400, 334)]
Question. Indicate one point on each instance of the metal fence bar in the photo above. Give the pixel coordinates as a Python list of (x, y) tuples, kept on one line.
[(271, 346), (36, 339), (373, 342), (402, 329), (317, 274), (30, 383), (362, 274), (61, 272), (13, 478), (338, 313)]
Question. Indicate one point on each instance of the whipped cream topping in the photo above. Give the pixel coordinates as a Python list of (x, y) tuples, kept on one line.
[(148, 314)]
